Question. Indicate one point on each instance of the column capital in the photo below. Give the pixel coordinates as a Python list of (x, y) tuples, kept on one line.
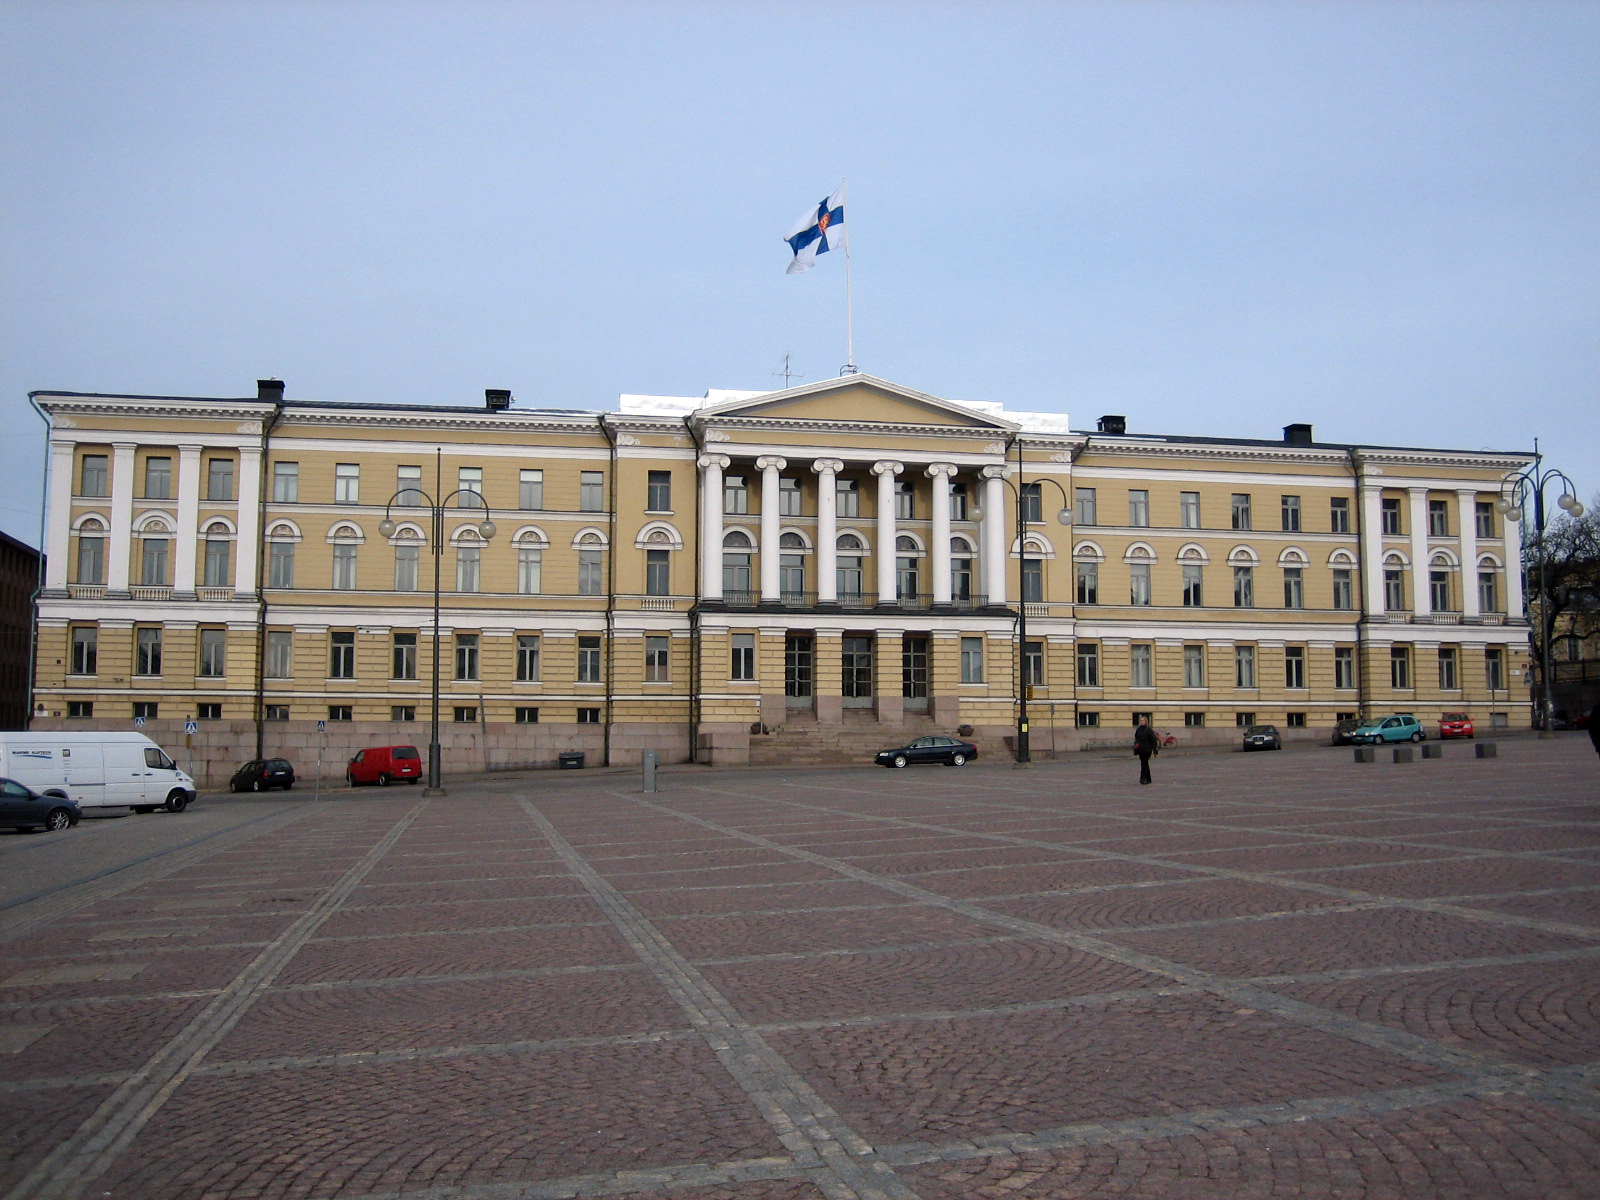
[(190, 447), (888, 467), (948, 470), (771, 462), (1000, 472), (827, 466), (707, 461)]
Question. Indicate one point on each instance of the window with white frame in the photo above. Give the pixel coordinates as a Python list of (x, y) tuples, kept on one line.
[(906, 573), (530, 568), (1244, 666), (1088, 656), (158, 477), (403, 655), (591, 579), (788, 497), (1438, 518), (1189, 510), (1138, 506), (1344, 666), (1389, 511), (972, 660), (1240, 510), (94, 475), (657, 572), (1400, 667), (1244, 586), (285, 482), (1484, 515), (1290, 509), (347, 483), (735, 494), (1087, 572), (1488, 590), (1139, 583), (344, 566), (1194, 666), (213, 653), (847, 494), (408, 486), (1439, 589), (342, 654), (591, 491), (527, 658), (154, 555), (219, 479), (147, 650), (407, 565), (791, 565), (280, 654), (85, 649), (1339, 514), (742, 657), (589, 664), (737, 553), (1294, 666), (1084, 507), (905, 500), (1294, 587), (848, 565), (469, 566), (530, 488), (657, 661), (280, 562), (469, 487), (1394, 587), (1343, 588), (1494, 668), (91, 553), (466, 656), (217, 568), (1193, 594), (1449, 678), (658, 491), (1140, 672)]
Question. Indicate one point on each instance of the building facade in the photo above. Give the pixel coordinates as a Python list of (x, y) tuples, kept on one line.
[(799, 575), (19, 580)]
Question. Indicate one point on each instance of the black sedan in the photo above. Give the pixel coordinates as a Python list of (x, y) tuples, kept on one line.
[(23, 808), (932, 749), (1262, 737), (259, 774)]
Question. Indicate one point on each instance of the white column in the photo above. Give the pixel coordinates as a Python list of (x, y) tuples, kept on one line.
[(1467, 514), (1512, 536), (711, 468), (188, 532), (58, 530), (247, 548), (827, 470), (1421, 598), (941, 474), (1372, 546), (120, 550), (994, 534), (769, 465), (886, 472)]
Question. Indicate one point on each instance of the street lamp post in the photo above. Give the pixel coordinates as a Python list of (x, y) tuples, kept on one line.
[(1515, 491), (409, 498)]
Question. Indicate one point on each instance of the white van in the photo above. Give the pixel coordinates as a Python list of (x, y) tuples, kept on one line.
[(98, 770)]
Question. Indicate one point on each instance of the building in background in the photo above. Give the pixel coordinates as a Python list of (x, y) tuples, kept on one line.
[(802, 575), (19, 579)]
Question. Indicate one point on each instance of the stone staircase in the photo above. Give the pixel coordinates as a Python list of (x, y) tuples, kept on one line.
[(803, 742)]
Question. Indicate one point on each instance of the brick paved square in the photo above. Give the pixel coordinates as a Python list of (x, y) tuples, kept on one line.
[(454, 953)]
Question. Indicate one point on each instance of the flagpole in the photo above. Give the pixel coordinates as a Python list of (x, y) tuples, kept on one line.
[(849, 301)]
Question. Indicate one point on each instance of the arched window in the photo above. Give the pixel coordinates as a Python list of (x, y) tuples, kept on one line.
[(91, 551), (217, 571), (848, 565), (960, 570), (737, 552), (791, 567)]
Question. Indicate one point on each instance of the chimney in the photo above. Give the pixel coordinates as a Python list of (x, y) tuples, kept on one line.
[(496, 399), (1297, 435), (1112, 424), (270, 389)]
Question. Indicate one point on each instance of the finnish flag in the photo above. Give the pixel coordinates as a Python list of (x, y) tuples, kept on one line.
[(819, 230)]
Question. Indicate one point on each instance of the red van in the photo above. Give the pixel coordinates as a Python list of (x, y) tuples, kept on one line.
[(384, 765)]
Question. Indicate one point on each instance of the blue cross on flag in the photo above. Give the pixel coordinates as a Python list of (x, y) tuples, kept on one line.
[(819, 230)]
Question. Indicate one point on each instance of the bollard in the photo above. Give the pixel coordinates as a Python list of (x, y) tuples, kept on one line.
[(1486, 750), (1366, 754), (1432, 750), (1403, 754), (651, 758)]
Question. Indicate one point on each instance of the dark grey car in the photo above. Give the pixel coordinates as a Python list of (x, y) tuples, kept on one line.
[(23, 808)]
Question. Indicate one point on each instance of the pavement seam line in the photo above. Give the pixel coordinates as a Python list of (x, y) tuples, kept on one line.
[(844, 1163), (81, 1158)]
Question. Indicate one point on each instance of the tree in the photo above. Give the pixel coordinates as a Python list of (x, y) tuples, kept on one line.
[(1563, 581)]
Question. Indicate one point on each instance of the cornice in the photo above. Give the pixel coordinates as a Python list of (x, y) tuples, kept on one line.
[(399, 418), (812, 426), (57, 404)]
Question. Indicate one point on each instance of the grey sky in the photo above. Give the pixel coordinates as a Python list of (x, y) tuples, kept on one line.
[(1214, 218)]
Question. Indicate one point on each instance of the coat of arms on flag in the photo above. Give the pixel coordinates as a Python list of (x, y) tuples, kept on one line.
[(819, 230)]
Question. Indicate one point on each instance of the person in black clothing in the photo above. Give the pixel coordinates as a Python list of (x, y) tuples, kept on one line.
[(1144, 745), (1594, 727)]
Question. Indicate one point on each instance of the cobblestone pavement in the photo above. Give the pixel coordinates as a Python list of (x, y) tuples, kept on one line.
[(1267, 975)]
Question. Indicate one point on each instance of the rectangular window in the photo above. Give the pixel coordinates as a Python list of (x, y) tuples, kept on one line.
[(1339, 514), (530, 489), (1089, 664), (1439, 591), (469, 564), (342, 655), (958, 502), (285, 482), (407, 562), (1138, 507), (1032, 663), (466, 656), (1189, 509), (1294, 667), (1138, 583), (1488, 592), (1139, 666), (1194, 666), (402, 712), (340, 712), (277, 712), (1343, 588), (588, 660), (280, 654), (217, 569), (469, 487), (1390, 510), (1484, 515), (403, 658), (589, 577), (1192, 594), (1244, 666), (1400, 667), (408, 491), (1294, 587), (972, 660), (905, 500), (1394, 589), (1032, 580), (848, 494), (1449, 680), (147, 651), (742, 664), (280, 564), (1290, 508), (1344, 666), (591, 491), (1241, 719), (1088, 582), (1194, 720), (1438, 518), (530, 570), (219, 479), (94, 475), (657, 663), (153, 561), (527, 716), (1295, 720), (207, 711), (735, 494), (466, 714), (158, 478), (1244, 587), (1088, 720), (213, 653), (344, 566), (347, 483), (1241, 510), (657, 573), (527, 658), (788, 497), (147, 710), (1494, 668), (1032, 501), (80, 708), (658, 491), (85, 649), (1085, 506), (588, 716), (91, 559)]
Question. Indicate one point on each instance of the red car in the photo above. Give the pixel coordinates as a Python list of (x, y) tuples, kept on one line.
[(384, 765), (1453, 725)]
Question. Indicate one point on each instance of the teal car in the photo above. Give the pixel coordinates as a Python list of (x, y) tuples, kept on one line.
[(1402, 727)]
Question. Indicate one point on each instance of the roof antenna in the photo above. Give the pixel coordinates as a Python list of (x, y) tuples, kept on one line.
[(788, 371)]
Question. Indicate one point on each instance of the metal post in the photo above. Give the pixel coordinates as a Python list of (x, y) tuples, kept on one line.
[(650, 760), (434, 787)]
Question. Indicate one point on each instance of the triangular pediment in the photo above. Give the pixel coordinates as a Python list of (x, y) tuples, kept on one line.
[(857, 400)]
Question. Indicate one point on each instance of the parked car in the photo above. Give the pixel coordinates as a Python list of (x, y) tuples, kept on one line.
[(1342, 730), (384, 765), (1402, 727), (1456, 724), (259, 774), (1559, 719), (936, 748), (23, 808), (1262, 737), (97, 768)]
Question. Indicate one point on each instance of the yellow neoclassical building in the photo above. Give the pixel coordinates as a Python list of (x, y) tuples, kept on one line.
[(793, 576)]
